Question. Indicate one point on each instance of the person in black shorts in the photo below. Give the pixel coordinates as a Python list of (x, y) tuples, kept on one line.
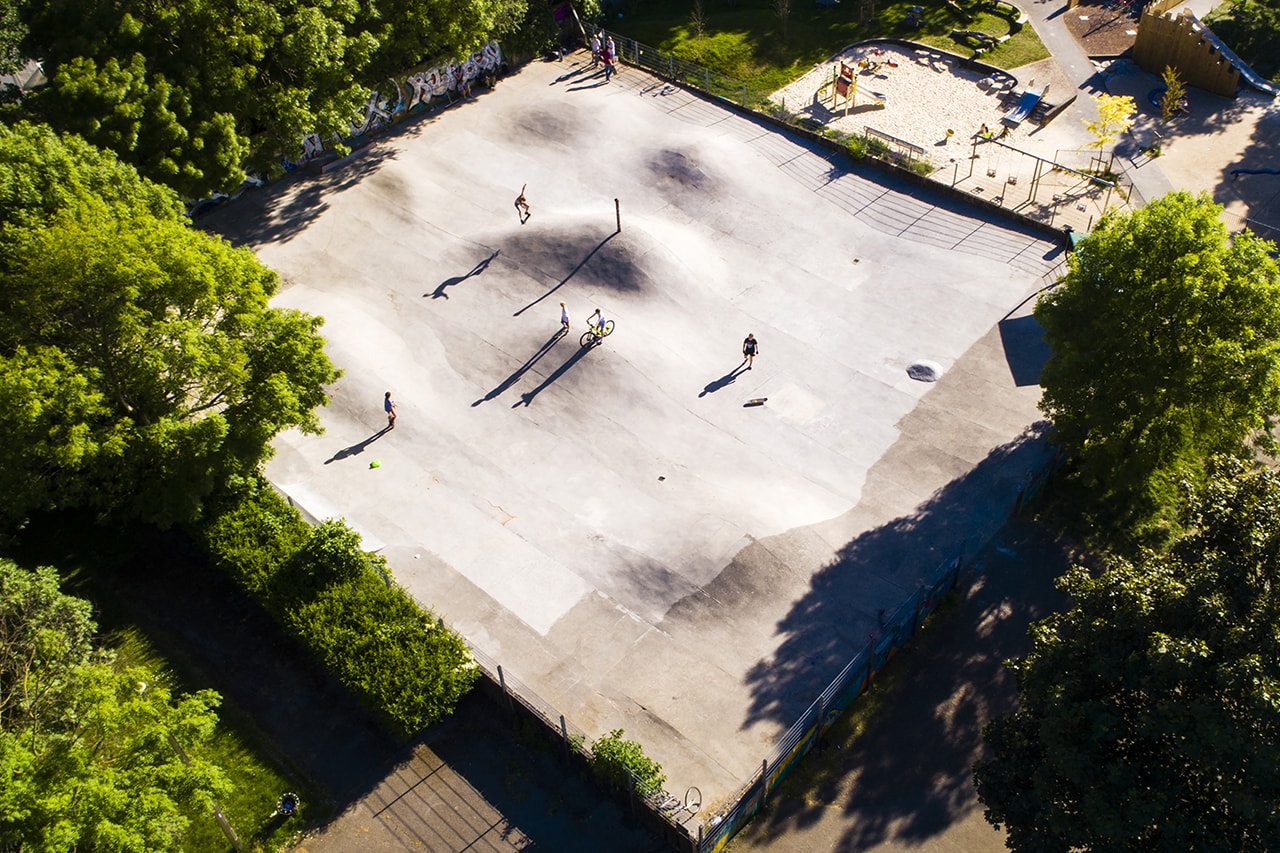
[(750, 348)]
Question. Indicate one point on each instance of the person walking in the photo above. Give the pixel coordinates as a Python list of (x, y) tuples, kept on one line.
[(606, 56), (595, 50), (750, 348), (389, 406), (564, 318), (613, 51)]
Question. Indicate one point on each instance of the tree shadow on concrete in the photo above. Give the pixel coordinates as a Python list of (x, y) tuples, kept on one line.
[(281, 211), (526, 399), (522, 369), (358, 447), (1025, 349), (880, 570), (907, 777), (1253, 200), (724, 381), (439, 292)]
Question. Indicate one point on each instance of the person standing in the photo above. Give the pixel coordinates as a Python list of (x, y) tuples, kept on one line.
[(389, 406), (750, 348), (564, 318)]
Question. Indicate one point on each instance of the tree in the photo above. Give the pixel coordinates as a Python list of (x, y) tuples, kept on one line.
[(1164, 338), (1174, 93), (140, 364), (1252, 29), (189, 91), (782, 8), (1149, 717), (12, 32), (86, 745), (1115, 116)]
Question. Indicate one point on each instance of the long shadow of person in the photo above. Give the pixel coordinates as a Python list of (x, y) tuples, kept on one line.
[(728, 379), (439, 292), (527, 397), (359, 446), (522, 369)]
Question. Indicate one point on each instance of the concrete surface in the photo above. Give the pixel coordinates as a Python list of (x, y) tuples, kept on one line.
[(612, 524), (906, 783)]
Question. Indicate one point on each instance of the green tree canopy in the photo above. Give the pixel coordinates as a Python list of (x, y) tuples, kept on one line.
[(1165, 336), (140, 364), (1149, 715), (1252, 29), (86, 746), (188, 91)]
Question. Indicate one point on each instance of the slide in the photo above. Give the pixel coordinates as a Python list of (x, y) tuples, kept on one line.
[(1025, 105), (1247, 74)]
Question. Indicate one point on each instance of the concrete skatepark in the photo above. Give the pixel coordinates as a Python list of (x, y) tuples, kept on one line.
[(611, 524)]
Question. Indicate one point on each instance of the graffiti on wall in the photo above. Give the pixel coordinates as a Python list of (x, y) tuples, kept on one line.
[(414, 93)]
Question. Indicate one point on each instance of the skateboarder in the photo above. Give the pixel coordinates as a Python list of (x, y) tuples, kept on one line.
[(749, 349), (522, 206)]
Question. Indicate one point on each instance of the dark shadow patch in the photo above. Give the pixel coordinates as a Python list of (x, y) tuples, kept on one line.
[(612, 263), (1025, 349), (826, 627), (676, 174), (358, 447)]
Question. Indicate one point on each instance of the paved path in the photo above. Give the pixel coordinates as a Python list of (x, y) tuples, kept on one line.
[(905, 784)]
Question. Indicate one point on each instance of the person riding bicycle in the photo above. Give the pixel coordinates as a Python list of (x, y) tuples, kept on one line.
[(596, 323)]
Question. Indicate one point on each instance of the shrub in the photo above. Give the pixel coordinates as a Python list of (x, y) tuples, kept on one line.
[(614, 760), (857, 147), (377, 640), (332, 553), (255, 537), (338, 600)]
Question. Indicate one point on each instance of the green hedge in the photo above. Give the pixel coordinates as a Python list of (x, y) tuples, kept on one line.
[(342, 604)]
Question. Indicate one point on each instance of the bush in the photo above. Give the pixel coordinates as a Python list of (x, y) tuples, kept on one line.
[(614, 760), (254, 538), (857, 147), (339, 602), (332, 553), (383, 646)]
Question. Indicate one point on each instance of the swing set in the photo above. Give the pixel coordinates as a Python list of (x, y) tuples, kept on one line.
[(1006, 154)]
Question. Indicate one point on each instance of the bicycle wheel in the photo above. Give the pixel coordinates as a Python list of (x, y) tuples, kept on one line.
[(608, 328), (587, 339)]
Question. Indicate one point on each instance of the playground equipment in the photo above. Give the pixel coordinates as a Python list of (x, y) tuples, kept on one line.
[(844, 85), (1026, 104)]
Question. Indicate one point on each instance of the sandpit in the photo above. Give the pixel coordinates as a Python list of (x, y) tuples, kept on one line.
[(914, 95)]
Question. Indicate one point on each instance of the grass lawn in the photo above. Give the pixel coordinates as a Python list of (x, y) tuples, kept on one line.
[(257, 783), (746, 40)]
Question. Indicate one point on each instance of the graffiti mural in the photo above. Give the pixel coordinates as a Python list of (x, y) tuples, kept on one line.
[(413, 93)]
